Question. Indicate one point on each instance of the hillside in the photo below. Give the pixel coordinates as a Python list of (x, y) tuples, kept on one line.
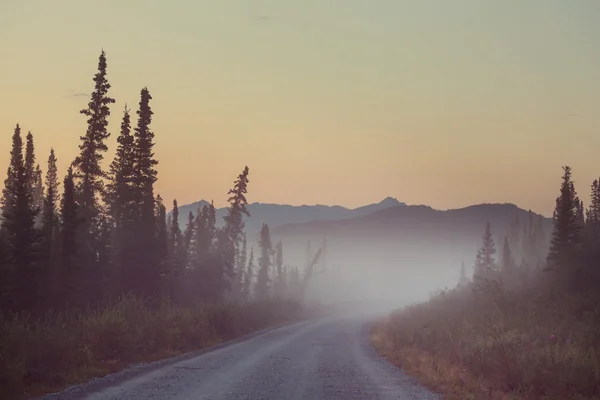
[(280, 214), (421, 247)]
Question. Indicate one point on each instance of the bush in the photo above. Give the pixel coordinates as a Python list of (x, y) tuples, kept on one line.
[(40, 356), (526, 343)]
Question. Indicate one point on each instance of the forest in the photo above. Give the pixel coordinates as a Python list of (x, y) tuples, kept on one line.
[(526, 325), (94, 276)]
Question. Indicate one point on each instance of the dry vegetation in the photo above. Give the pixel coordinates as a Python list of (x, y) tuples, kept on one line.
[(41, 356), (529, 343)]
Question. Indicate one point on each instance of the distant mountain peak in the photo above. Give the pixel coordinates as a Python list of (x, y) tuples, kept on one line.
[(390, 201)]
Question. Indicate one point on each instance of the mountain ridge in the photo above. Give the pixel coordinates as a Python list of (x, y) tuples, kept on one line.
[(279, 214)]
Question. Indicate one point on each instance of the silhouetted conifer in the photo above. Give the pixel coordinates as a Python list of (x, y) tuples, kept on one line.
[(87, 166), (176, 255), (50, 216), (188, 237), (71, 275), (248, 277), (162, 244), (507, 263), (279, 284), (119, 191), (240, 270), (486, 267), (566, 234), (263, 284), (30, 167), (147, 264), (38, 194)]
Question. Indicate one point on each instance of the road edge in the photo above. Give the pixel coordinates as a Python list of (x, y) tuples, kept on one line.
[(95, 384)]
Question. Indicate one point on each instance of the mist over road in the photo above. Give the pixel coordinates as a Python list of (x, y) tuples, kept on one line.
[(325, 359)]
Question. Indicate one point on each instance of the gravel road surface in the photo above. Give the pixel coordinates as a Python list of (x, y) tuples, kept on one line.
[(325, 359)]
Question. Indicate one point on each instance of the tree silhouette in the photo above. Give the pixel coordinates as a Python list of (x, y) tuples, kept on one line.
[(566, 234)]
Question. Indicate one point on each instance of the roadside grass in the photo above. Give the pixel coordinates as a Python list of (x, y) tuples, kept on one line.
[(50, 354), (524, 344)]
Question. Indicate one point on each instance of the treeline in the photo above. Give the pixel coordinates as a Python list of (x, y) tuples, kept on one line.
[(95, 276), (568, 259), (527, 329), (105, 233)]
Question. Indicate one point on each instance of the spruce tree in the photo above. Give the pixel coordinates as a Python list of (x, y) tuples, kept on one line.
[(176, 254), (240, 270), (230, 235), (144, 161), (50, 217), (580, 215), (248, 276), (30, 167), (88, 171), (566, 234), (38, 194), (263, 283), (70, 275), (162, 245), (21, 235), (15, 165), (143, 195), (591, 230), (188, 237), (206, 281), (507, 263), (122, 209), (5, 276), (279, 278), (234, 220), (485, 263), (119, 193)]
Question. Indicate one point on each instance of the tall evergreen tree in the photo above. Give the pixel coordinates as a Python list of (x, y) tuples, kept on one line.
[(145, 177), (234, 220), (248, 276), (279, 286), (15, 165), (70, 275), (22, 236), (566, 234), (162, 245), (87, 164), (240, 270), (122, 209), (230, 235), (485, 264), (30, 167), (176, 254), (507, 263), (591, 231), (119, 193), (38, 193), (208, 276), (50, 217), (263, 283), (188, 237)]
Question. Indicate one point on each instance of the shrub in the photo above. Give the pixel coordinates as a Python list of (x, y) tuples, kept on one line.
[(39, 356)]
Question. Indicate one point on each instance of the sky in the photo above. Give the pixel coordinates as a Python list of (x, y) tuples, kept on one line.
[(444, 103)]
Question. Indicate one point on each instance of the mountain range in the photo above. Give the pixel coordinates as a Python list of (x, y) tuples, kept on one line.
[(281, 214), (387, 245)]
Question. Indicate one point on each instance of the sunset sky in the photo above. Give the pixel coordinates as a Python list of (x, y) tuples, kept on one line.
[(445, 103)]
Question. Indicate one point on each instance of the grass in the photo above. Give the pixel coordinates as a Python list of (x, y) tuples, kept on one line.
[(43, 356), (524, 344)]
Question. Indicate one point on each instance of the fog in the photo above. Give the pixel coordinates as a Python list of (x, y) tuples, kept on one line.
[(375, 271)]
